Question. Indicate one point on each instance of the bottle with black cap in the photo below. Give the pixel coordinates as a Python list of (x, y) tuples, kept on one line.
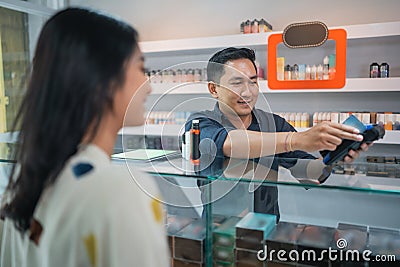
[(374, 70), (195, 142), (384, 70)]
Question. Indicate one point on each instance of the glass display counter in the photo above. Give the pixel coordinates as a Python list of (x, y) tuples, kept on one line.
[(229, 212)]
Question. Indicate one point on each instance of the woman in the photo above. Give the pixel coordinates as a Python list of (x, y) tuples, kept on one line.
[(72, 207)]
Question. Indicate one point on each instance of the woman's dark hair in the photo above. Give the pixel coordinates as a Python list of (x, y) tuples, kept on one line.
[(215, 66), (79, 63)]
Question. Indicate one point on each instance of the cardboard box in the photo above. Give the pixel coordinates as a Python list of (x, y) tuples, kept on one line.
[(224, 235), (355, 238), (182, 263), (384, 242), (247, 258), (175, 224), (316, 239), (223, 264), (284, 237), (253, 229), (224, 254), (189, 242)]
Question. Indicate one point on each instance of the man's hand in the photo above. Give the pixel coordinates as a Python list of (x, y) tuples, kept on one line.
[(325, 135), (353, 154)]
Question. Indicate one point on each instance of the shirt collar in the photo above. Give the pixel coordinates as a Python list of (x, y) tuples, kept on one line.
[(222, 118)]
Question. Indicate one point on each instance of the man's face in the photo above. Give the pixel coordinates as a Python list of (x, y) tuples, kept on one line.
[(237, 90)]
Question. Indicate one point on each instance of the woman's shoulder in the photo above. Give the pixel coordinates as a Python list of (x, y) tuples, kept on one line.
[(113, 182), (93, 167)]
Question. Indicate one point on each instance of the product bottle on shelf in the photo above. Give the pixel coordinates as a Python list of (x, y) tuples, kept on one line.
[(332, 66), (295, 72), (313, 72), (280, 68), (374, 70), (320, 71), (288, 73), (308, 72), (254, 26), (326, 68), (384, 70), (247, 27), (260, 71)]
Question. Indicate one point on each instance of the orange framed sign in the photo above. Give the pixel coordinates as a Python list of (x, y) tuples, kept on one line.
[(339, 81)]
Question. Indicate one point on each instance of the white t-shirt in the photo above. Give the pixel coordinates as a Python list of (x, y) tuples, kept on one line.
[(95, 214)]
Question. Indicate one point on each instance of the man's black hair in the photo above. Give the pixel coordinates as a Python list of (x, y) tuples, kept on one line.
[(215, 66)]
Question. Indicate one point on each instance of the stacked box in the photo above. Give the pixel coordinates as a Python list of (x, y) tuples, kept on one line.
[(182, 263), (188, 245), (350, 237), (223, 264), (384, 242), (281, 264), (189, 242), (251, 233), (224, 242), (315, 239), (283, 237), (174, 225), (247, 258)]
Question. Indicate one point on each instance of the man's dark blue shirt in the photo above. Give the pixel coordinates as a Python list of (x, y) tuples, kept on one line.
[(214, 126)]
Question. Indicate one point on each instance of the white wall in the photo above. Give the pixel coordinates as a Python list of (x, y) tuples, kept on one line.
[(174, 19)]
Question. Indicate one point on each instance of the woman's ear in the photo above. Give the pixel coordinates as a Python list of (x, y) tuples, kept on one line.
[(212, 88)]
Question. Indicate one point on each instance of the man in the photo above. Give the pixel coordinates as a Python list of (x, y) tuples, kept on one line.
[(235, 128)]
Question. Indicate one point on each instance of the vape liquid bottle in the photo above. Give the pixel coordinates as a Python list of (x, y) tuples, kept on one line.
[(254, 26), (288, 74), (260, 71), (320, 72), (325, 75), (190, 75), (308, 72), (374, 70), (204, 74), (295, 72), (242, 27), (302, 72), (315, 119), (384, 70), (280, 68), (247, 27), (313, 72), (197, 75), (332, 66), (262, 26), (164, 76), (195, 142)]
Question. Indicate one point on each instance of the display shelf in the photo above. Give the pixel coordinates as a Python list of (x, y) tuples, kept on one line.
[(261, 39), (255, 39), (352, 85), (352, 181), (179, 88), (372, 30), (391, 137), (226, 191), (153, 129)]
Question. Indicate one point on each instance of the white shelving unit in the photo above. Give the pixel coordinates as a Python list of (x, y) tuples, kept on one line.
[(352, 85), (261, 39), (367, 43), (153, 129)]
